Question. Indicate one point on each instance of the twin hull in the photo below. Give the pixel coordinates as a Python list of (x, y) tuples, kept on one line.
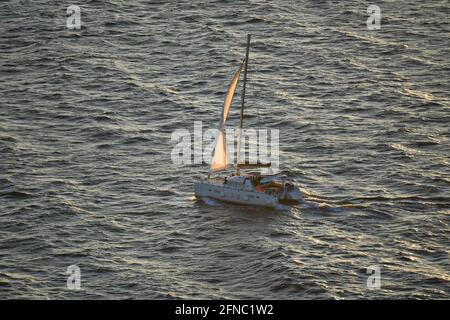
[(236, 195)]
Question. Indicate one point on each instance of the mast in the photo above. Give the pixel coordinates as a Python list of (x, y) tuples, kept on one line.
[(242, 104)]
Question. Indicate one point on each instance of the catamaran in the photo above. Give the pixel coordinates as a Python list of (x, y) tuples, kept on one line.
[(252, 188)]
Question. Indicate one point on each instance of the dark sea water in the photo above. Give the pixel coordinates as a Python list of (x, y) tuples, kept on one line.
[(86, 176)]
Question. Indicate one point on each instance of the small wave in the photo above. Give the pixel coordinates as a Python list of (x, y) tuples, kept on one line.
[(105, 146), (135, 80), (5, 182), (418, 60), (133, 140), (169, 249), (425, 143), (410, 198), (15, 194), (209, 201), (18, 276), (8, 139), (73, 252), (163, 192), (371, 40), (103, 118), (258, 20), (404, 149), (418, 94), (322, 206)]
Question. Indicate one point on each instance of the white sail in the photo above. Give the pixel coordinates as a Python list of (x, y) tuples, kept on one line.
[(220, 158)]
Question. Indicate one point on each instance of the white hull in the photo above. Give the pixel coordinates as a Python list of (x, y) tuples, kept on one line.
[(235, 195)]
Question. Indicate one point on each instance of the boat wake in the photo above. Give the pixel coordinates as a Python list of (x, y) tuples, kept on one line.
[(209, 201)]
